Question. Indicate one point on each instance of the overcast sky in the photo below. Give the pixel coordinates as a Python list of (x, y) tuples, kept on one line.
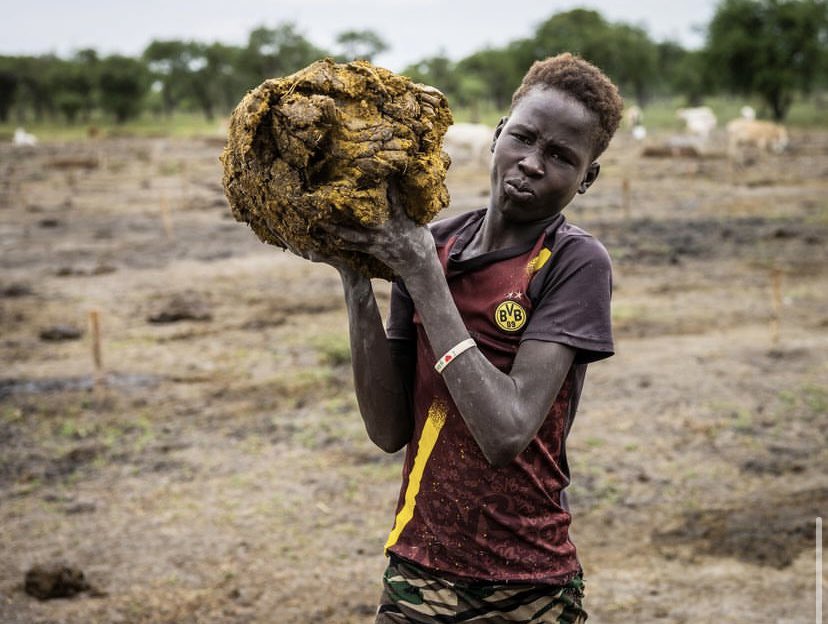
[(414, 29)]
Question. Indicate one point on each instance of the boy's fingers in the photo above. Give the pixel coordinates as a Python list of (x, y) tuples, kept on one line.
[(396, 200), (344, 234)]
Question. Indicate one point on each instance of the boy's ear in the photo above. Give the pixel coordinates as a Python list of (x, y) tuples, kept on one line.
[(497, 132), (591, 175)]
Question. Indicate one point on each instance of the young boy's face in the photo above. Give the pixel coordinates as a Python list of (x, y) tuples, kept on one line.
[(542, 156)]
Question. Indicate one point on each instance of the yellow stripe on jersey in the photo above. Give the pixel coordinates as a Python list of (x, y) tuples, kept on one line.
[(431, 431), (536, 263)]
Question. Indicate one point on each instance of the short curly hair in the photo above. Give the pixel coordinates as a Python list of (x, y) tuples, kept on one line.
[(583, 81)]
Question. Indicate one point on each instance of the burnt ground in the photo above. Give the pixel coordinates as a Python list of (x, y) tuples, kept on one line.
[(214, 469)]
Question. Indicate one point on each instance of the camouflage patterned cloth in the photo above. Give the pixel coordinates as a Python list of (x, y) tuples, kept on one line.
[(412, 594)]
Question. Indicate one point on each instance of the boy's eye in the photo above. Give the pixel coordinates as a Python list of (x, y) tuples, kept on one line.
[(521, 137), (559, 156)]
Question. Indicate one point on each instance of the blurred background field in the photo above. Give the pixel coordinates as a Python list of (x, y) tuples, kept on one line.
[(660, 115)]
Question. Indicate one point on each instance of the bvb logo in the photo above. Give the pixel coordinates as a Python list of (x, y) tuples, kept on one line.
[(510, 316)]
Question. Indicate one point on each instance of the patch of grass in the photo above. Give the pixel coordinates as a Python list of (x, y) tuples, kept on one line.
[(816, 398), (333, 349), (743, 420), (660, 114), (170, 168), (808, 402), (303, 382), (74, 429), (181, 125), (629, 312), (11, 414)]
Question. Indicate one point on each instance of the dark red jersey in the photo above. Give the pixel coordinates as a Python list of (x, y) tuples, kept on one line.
[(456, 513)]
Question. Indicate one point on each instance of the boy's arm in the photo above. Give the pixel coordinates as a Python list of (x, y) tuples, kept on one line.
[(503, 411), (380, 390)]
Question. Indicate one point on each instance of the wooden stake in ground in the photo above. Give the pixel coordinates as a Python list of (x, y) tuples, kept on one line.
[(776, 318), (95, 330), (625, 197)]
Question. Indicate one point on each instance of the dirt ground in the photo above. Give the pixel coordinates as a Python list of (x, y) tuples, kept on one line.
[(214, 468)]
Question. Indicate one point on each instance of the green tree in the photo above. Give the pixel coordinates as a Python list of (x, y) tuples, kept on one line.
[(626, 53), (9, 80), (72, 84), (123, 83), (635, 66), (223, 62), (279, 51), (472, 93), (202, 78), (361, 44), (88, 60), (770, 48), (438, 71), (33, 92), (168, 64), (691, 77), (500, 69), (584, 32), (198, 75)]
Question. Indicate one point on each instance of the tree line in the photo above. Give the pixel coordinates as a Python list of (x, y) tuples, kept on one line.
[(773, 50)]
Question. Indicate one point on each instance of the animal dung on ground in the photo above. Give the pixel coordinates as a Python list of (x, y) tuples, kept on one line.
[(55, 580), (181, 307), (60, 332), (322, 146)]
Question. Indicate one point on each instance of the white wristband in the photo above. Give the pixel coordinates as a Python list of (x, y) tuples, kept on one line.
[(452, 353)]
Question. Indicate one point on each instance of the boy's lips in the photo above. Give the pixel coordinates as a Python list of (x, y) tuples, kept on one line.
[(518, 189)]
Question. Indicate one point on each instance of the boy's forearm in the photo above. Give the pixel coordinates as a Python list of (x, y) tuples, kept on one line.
[(380, 392), (501, 413)]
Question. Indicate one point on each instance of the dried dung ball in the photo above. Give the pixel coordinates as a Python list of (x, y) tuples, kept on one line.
[(322, 145)]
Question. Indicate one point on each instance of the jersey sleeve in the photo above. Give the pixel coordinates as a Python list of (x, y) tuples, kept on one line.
[(572, 299), (400, 323)]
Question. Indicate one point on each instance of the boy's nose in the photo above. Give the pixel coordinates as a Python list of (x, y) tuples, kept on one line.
[(531, 165)]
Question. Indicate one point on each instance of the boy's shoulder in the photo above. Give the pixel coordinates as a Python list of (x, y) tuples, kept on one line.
[(567, 235)]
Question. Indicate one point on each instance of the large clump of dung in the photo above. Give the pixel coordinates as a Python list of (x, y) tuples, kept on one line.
[(323, 144)]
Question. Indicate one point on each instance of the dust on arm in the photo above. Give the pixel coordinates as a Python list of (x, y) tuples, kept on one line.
[(380, 389)]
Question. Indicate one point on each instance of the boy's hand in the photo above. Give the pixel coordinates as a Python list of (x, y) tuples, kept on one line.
[(345, 270), (399, 243)]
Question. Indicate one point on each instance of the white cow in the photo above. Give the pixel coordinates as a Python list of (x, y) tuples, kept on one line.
[(634, 122), (700, 121), (755, 134), (633, 117), (23, 139), (469, 144)]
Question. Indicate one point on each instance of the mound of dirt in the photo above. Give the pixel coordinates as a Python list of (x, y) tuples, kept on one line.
[(323, 144), (55, 580)]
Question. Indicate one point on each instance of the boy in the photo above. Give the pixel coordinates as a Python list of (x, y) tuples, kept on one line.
[(494, 316)]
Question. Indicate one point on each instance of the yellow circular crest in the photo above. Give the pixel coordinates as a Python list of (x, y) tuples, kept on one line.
[(510, 316)]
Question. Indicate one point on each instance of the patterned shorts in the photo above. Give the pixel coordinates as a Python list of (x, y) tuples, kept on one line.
[(412, 594)]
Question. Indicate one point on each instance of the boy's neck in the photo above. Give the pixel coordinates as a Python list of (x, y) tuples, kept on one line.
[(497, 233)]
